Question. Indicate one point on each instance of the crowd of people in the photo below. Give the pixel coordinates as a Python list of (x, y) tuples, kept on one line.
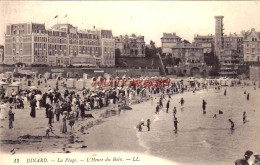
[(67, 107)]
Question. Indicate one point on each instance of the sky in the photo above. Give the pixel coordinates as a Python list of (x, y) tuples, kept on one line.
[(147, 18)]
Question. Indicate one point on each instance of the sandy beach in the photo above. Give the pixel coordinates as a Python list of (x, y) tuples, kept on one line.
[(200, 139)]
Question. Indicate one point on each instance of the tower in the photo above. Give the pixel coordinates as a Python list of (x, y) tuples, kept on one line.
[(219, 39)]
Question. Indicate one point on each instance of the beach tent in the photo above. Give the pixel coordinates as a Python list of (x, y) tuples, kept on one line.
[(80, 84), (3, 84), (107, 76), (47, 75), (18, 84), (85, 76), (33, 88), (70, 83), (10, 89)]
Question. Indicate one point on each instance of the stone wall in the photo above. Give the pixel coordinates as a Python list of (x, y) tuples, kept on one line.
[(92, 72)]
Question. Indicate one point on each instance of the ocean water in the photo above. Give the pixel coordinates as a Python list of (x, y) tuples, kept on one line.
[(200, 139)]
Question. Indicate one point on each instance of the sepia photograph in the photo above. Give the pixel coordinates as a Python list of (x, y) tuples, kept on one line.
[(130, 82)]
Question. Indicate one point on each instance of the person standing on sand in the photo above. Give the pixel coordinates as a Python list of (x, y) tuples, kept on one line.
[(182, 101), (204, 106), (244, 117), (157, 109), (33, 105), (57, 111), (232, 124), (225, 93), (161, 103), (167, 106), (175, 124), (82, 110), (247, 97), (50, 116), (140, 125), (71, 119), (11, 118), (64, 119), (148, 124), (174, 111)]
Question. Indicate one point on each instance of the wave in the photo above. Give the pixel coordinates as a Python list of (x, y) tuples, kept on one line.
[(202, 129), (156, 118), (204, 143), (141, 142)]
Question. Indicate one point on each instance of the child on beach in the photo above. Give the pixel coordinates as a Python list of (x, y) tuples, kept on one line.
[(140, 125), (48, 130), (72, 120)]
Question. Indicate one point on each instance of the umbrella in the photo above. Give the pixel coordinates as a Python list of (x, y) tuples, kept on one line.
[(3, 83), (33, 87), (38, 97)]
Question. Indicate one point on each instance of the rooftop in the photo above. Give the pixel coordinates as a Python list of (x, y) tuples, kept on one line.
[(170, 35)]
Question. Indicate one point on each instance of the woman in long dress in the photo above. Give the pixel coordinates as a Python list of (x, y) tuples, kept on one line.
[(3, 113), (64, 119)]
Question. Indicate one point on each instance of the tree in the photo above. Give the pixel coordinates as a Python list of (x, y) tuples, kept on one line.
[(159, 50), (150, 50)]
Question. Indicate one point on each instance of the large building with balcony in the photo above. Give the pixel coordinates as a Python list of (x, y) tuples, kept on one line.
[(251, 46), (188, 53), (32, 43), (169, 40), (107, 43), (231, 57), (130, 46), (206, 41)]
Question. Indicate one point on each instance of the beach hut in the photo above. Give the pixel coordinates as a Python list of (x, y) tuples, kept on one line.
[(3, 84), (80, 84), (33, 88), (18, 83), (85, 76), (70, 83), (47, 75), (12, 87)]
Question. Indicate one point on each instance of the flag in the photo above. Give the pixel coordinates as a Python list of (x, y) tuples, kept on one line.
[(56, 16), (65, 16)]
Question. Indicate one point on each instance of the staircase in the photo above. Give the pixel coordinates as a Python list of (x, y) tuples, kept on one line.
[(162, 65)]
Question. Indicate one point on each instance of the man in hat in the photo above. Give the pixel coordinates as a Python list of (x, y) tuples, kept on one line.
[(167, 106), (243, 161)]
